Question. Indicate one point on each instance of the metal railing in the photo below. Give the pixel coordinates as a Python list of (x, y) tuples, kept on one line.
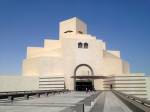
[(88, 100), (80, 106), (74, 107), (136, 104), (10, 95)]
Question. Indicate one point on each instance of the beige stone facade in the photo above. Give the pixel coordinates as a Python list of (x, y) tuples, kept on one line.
[(76, 61), (75, 48)]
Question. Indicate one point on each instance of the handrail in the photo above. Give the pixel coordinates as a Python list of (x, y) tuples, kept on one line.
[(131, 100), (88, 100), (14, 94)]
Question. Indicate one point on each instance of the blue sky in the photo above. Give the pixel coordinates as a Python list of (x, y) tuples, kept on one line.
[(123, 24)]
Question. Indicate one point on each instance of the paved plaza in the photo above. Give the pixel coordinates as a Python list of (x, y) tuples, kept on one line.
[(105, 102)]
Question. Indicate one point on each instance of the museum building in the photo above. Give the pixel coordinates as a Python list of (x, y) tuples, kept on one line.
[(76, 61)]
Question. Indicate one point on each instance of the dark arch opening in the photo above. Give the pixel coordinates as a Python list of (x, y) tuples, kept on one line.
[(85, 45), (79, 45), (86, 84)]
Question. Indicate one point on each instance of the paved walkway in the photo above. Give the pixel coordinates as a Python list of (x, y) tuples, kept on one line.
[(53, 103), (108, 102), (105, 102), (99, 103)]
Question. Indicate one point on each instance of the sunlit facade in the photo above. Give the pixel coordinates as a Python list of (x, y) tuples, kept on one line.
[(76, 61)]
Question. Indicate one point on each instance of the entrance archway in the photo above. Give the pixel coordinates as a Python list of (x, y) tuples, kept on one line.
[(83, 84)]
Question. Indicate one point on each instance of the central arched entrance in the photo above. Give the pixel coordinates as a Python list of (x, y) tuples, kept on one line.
[(81, 82)]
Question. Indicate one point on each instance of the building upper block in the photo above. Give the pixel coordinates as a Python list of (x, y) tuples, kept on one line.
[(72, 26)]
